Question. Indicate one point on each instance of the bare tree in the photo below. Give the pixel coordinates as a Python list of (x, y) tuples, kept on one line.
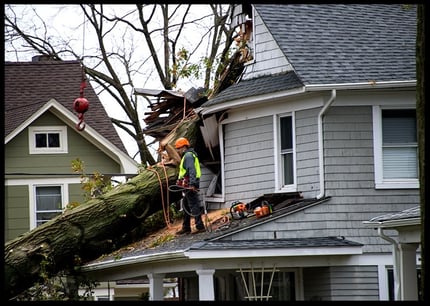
[(117, 67)]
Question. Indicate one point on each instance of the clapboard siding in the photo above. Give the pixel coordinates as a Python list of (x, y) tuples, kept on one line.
[(336, 283), (268, 57), (349, 177), (249, 164), (307, 152)]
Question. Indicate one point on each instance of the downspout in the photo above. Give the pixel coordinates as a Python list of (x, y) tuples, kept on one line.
[(396, 266), (320, 143)]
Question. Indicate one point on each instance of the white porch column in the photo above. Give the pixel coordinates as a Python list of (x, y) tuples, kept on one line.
[(156, 287), (206, 285), (408, 271)]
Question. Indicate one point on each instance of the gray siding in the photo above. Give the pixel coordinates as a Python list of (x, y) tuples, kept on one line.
[(269, 58), (307, 152), (349, 179), (249, 164), (343, 283)]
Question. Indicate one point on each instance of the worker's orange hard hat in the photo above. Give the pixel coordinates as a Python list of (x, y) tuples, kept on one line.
[(180, 142)]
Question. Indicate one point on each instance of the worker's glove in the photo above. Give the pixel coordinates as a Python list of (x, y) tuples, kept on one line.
[(193, 188)]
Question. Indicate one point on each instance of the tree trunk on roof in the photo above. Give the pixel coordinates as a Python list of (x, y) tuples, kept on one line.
[(99, 226)]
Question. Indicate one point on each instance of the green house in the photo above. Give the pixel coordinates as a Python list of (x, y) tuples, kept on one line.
[(42, 139)]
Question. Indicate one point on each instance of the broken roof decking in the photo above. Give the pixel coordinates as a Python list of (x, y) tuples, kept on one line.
[(30, 85), (168, 107)]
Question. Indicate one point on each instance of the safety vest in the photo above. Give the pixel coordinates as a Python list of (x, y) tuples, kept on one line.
[(182, 170)]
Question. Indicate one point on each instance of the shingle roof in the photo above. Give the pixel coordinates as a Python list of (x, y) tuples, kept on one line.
[(274, 243), (345, 43), (335, 44), (414, 212), (30, 85), (257, 86)]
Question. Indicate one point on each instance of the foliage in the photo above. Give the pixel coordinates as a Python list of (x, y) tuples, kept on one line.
[(57, 288), (93, 185)]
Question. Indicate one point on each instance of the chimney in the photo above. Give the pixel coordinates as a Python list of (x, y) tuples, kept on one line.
[(40, 58)]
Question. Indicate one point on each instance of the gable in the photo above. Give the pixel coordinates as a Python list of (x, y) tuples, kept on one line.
[(345, 43), (30, 85)]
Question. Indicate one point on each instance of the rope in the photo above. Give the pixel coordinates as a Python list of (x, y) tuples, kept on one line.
[(166, 218), (167, 194)]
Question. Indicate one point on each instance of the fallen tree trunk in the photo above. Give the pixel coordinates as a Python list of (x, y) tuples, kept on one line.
[(97, 227)]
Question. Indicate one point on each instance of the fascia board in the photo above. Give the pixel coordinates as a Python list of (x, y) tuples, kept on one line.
[(251, 100), (128, 165), (273, 252)]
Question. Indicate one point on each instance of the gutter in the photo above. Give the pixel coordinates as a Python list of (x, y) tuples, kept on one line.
[(321, 145), (396, 264), (166, 256)]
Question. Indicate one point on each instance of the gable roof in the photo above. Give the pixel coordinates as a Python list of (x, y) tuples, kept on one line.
[(334, 45), (345, 43), (29, 86)]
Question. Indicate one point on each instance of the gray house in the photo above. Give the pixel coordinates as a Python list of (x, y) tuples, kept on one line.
[(323, 117)]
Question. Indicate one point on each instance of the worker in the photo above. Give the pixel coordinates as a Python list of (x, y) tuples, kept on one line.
[(189, 177)]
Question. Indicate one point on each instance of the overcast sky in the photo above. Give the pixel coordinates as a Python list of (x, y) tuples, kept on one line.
[(66, 21)]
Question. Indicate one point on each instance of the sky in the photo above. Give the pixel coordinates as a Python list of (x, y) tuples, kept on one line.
[(66, 21)]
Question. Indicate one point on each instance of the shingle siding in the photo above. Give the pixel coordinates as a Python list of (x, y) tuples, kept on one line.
[(307, 152), (341, 283), (268, 57), (249, 164)]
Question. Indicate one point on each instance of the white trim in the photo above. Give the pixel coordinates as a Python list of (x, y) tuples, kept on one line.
[(32, 198), (383, 282), (361, 85), (277, 153), (251, 100), (380, 183), (127, 164), (60, 129), (273, 252), (58, 180)]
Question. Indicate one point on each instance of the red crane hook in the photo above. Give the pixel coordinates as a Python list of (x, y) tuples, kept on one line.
[(81, 104)]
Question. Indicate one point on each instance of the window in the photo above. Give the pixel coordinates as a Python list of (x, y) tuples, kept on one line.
[(47, 139), (396, 148), (48, 203), (286, 157)]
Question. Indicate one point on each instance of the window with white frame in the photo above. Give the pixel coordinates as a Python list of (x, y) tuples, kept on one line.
[(47, 139), (48, 203), (286, 150), (396, 148)]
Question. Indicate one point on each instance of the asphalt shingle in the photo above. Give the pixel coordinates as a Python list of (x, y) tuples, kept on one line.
[(30, 85)]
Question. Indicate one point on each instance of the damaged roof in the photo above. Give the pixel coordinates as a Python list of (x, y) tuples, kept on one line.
[(168, 107), (216, 238), (334, 44)]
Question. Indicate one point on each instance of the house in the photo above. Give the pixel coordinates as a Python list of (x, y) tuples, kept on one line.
[(322, 122), (42, 139)]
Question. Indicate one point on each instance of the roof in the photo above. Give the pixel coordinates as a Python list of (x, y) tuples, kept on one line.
[(407, 217), (345, 43), (275, 243), (334, 44), (30, 85), (214, 239), (257, 86)]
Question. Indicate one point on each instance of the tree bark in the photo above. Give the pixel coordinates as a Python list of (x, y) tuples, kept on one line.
[(97, 227)]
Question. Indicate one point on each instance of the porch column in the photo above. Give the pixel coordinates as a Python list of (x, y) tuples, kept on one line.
[(408, 271), (156, 287), (206, 285)]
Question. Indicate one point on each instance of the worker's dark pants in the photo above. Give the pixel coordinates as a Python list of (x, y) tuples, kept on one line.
[(192, 206)]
